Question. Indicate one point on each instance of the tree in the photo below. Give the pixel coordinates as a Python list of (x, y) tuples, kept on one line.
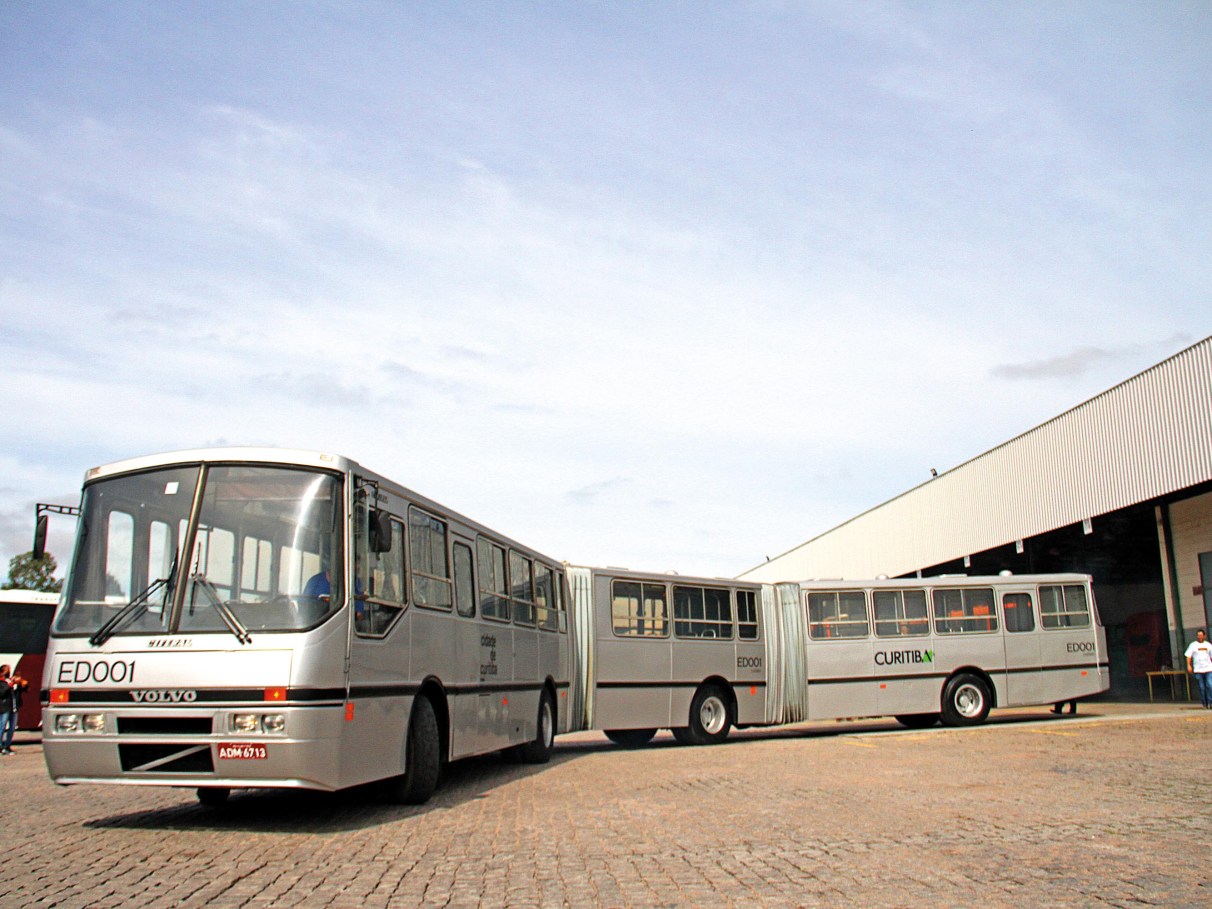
[(27, 573)]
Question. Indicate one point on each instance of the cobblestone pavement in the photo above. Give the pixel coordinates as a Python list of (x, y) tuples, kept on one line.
[(1109, 808)]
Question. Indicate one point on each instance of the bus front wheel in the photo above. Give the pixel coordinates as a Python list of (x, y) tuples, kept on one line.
[(422, 759), (213, 796), (965, 701)]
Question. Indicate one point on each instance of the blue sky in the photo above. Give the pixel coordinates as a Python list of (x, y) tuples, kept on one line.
[(664, 285)]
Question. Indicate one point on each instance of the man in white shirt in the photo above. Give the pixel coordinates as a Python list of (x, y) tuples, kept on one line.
[(1199, 662)]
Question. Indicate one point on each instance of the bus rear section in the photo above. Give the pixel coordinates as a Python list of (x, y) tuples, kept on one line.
[(25, 621), (950, 648)]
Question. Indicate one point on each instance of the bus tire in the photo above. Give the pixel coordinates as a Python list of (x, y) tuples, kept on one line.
[(422, 760), (917, 720), (965, 701), (213, 796), (539, 751), (710, 717), (630, 738)]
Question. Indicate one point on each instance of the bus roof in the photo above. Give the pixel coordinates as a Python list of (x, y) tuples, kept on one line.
[(299, 457), (942, 580)]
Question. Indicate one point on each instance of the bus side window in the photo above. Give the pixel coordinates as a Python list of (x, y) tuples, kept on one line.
[(639, 610), (521, 588), (430, 569), (822, 607), (376, 610), (1063, 607), (465, 590), (494, 585), (1016, 607), (546, 609), (746, 615)]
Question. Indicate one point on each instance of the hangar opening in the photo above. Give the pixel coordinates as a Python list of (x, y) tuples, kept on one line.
[(1119, 487)]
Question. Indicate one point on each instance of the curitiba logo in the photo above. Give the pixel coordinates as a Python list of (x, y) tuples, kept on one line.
[(900, 657)]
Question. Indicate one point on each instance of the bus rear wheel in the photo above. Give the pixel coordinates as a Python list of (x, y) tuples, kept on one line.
[(710, 718), (965, 701), (422, 760), (630, 738)]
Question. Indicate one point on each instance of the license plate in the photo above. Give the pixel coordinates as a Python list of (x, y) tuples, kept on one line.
[(243, 752)]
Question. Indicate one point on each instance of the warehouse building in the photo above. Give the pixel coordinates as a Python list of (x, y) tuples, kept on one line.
[(1119, 487)]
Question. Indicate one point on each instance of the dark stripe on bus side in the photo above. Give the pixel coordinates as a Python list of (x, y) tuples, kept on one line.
[(735, 684), (945, 675), (201, 696), (294, 696), (412, 689)]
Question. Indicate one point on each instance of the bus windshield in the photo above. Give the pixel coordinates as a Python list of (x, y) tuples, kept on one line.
[(259, 549)]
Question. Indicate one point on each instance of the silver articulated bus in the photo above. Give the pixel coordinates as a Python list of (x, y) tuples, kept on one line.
[(269, 618), (699, 656)]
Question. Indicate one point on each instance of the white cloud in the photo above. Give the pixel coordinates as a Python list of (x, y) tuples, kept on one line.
[(724, 300)]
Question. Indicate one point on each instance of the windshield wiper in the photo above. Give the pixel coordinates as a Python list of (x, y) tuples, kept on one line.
[(128, 612), (229, 618)]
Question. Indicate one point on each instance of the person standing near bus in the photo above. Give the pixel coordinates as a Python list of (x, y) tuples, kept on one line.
[(1199, 663), (10, 700)]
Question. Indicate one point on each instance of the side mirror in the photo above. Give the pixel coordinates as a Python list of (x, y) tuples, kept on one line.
[(39, 550), (380, 532)]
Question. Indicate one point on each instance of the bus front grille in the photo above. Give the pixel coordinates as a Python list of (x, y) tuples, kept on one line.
[(164, 725), (174, 758)]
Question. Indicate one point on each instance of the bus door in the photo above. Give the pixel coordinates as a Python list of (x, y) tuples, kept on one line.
[(469, 670), (840, 655), (904, 655), (1069, 641), (382, 623), (751, 669), (524, 698), (493, 663), (632, 653), (1024, 678)]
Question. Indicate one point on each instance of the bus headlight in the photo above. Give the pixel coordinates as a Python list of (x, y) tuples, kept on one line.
[(245, 722), (75, 723), (254, 723)]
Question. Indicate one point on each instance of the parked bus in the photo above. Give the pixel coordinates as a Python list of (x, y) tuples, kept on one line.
[(269, 618), (699, 656), (25, 620)]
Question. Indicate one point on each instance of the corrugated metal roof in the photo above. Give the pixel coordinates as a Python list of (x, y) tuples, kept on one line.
[(1146, 437)]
